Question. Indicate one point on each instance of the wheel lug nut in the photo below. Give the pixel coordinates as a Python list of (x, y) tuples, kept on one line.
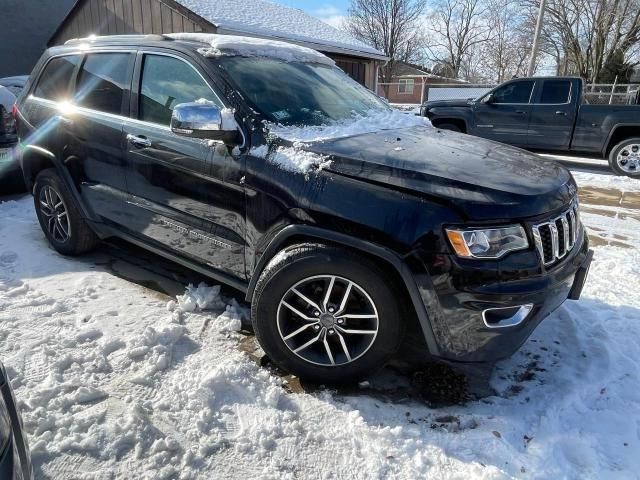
[(316, 327), (331, 309), (331, 331), (340, 321), (317, 314)]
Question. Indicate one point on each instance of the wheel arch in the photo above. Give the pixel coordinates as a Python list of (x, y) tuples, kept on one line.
[(620, 133), (35, 159), (458, 122), (391, 262)]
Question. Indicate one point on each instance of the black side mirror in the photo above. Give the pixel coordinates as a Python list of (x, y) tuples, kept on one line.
[(203, 120)]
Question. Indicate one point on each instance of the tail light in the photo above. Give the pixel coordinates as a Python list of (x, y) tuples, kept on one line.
[(8, 121)]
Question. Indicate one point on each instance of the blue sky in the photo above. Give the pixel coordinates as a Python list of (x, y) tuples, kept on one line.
[(330, 11)]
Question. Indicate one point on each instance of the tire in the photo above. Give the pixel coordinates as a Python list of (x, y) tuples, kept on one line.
[(59, 217), (307, 268), (449, 126), (624, 158)]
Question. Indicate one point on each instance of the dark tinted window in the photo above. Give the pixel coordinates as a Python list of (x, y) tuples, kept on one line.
[(102, 81), (54, 81), (555, 91), (167, 82), (517, 92)]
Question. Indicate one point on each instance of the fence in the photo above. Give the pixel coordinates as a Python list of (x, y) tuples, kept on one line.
[(594, 94)]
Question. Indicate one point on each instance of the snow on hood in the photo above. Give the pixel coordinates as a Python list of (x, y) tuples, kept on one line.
[(374, 121), (234, 45)]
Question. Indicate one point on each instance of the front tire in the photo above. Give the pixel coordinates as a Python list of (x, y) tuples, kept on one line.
[(59, 217), (624, 158), (326, 314)]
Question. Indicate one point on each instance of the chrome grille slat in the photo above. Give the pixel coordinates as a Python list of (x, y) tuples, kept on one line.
[(563, 228)]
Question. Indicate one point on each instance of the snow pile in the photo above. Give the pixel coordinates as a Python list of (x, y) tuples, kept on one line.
[(626, 184), (233, 45), (293, 159), (116, 382), (373, 121)]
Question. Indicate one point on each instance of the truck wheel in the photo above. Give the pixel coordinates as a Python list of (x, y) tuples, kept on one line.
[(449, 126), (624, 158), (59, 218), (325, 314)]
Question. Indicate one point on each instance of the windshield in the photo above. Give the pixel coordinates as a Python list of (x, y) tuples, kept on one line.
[(300, 94)]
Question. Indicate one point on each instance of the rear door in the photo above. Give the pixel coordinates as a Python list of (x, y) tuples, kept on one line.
[(553, 115), (93, 130), (186, 192), (506, 118)]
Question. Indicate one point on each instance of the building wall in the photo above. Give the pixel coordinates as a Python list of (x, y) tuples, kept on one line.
[(118, 17), (394, 96), (25, 28)]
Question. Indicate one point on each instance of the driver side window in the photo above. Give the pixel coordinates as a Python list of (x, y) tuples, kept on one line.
[(515, 92), (167, 82)]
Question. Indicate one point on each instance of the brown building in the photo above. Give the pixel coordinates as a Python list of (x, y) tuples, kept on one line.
[(256, 18), (409, 83)]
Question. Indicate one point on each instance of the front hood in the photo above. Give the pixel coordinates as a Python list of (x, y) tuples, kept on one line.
[(485, 180), (447, 103)]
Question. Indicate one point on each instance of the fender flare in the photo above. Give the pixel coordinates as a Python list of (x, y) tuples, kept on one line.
[(63, 172), (607, 147), (275, 245)]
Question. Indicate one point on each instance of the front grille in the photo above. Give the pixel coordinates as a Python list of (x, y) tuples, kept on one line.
[(557, 237)]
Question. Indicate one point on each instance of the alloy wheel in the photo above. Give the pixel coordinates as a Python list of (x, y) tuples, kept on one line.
[(327, 320), (629, 158), (54, 211)]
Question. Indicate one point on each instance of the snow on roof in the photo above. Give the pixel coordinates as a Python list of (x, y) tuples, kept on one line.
[(267, 19), (220, 45)]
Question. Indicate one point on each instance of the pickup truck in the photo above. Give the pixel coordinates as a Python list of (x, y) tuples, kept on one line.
[(549, 114)]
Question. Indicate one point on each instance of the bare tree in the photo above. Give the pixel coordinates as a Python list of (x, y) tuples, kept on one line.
[(389, 26), (506, 51), (589, 35), (457, 27)]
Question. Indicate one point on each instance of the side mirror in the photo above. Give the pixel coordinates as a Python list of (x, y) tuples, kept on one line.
[(489, 99), (203, 120)]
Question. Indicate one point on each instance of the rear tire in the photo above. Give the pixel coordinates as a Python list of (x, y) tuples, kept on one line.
[(59, 217), (342, 352), (624, 158), (449, 126)]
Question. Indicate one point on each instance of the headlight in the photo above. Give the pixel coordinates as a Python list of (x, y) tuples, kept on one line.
[(487, 242)]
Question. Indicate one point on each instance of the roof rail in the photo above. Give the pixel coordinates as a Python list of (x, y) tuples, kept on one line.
[(118, 38)]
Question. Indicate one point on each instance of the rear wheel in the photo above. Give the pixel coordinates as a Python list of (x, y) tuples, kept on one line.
[(624, 158), (59, 218), (326, 314), (449, 126)]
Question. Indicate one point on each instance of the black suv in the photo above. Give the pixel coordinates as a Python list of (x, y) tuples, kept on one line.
[(348, 225)]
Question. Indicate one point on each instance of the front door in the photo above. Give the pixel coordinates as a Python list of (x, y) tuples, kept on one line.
[(505, 118), (186, 192), (553, 118)]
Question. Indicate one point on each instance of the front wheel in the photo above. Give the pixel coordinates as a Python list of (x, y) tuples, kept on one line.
[(624, 158), (326, 314)]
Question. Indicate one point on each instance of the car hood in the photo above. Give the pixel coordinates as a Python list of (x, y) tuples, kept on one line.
[(485, 180), (447, 103)]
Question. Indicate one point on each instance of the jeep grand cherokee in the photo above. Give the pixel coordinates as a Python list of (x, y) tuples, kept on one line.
[(264, 166)]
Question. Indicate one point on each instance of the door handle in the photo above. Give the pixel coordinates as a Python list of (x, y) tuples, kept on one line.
[(141, 142), (520, 112), (560, 112)]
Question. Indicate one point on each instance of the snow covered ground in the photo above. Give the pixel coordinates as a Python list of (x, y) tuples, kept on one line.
[(119, 381)]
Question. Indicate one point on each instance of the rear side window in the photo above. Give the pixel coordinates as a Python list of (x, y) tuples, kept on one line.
[(103, 79), (167, 82), (516, 92), (56, 77), (555, 91)]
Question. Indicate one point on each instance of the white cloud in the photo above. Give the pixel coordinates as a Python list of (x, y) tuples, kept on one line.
[(331, 15)]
